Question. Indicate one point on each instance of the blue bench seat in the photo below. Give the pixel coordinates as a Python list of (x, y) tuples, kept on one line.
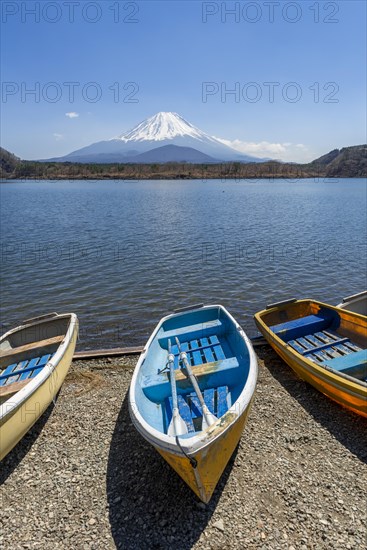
[(216, 399), (200, 350), (353, 364), (157, 387), (17, 372), (323, 346), (191, 332), (298, 328)]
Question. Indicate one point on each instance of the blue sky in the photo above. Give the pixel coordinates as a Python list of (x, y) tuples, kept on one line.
[(297, 71)]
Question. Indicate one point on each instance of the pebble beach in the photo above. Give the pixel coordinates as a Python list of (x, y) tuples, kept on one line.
[(84, 478)]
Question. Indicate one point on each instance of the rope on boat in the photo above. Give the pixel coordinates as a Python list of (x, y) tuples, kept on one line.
[(192, 460)]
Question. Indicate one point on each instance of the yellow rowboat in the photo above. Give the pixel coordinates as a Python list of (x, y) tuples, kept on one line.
[(324, 345), (34, 360), (192, 390)]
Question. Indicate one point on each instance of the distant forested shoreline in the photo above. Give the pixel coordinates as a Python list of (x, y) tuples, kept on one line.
[(350, 162)]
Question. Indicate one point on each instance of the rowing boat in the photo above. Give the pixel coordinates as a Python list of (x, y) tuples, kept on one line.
[(197, 432), (34, 360), (324, 345), (356, 303)]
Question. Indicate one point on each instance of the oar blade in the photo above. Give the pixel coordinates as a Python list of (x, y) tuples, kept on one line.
[(177, 425), (208, 419)]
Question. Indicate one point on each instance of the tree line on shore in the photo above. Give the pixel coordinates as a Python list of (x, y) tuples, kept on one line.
[(347, 162)]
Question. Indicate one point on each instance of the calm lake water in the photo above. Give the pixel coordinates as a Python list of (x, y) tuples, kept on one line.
[(123, 254)]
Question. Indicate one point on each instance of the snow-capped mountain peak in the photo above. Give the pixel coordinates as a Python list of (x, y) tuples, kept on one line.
[(162, 126), (157, 132)]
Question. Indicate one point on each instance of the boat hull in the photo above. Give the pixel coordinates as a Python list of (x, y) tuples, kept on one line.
[(349, 395), (227, 381), (15, 423), (210, 461), (343, 390)]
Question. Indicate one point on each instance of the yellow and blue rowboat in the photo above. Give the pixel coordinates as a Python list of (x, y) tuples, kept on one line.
[(224, 364), (34, 360), (324, 345)]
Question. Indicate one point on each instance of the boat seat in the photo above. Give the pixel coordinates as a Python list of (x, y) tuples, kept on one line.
[(200, 350), (216, 373), (39, 346), (354, 364), (216, 399), (191, 332), (17, 372), (309, 347), (297, 328), (323, 346)]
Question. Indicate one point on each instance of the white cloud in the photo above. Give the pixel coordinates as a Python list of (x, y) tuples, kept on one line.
[(57, 136), (287, 152), (72, 115)]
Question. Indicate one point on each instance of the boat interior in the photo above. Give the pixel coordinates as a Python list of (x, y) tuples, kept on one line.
[(219, 359), (25, 352), (329, 337)]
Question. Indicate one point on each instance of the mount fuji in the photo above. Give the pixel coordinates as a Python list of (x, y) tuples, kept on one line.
[(186, 144)]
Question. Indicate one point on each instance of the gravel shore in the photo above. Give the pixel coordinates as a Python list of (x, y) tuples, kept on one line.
[(83, 478)]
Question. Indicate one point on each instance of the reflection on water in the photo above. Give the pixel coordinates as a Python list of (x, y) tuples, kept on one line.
[(123, 254)]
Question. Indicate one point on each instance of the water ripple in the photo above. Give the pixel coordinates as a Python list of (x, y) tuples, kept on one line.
[(123, 254)]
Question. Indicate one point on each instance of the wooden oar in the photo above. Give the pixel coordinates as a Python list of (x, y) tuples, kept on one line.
[(208, 417), (177, 425)]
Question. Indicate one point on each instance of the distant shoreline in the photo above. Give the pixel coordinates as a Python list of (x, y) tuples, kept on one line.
[(28, 170), (350, 162), (178, 178)]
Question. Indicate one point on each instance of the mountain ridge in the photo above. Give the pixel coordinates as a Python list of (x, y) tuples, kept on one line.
[(172, 153), (346, 162)]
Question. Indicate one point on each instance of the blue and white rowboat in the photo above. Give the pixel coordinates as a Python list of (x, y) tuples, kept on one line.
[(200, 439)]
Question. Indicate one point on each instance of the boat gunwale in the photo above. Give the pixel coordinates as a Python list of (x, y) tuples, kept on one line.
[(320, 371), (203, 439), (354, 297), (9, 406), (353, 300)]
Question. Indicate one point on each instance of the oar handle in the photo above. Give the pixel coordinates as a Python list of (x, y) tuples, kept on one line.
[(207, 415), (183, 357), (171, 359), (177, 425)]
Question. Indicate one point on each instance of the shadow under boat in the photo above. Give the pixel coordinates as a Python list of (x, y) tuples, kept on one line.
[(12, 460), (149, 504), (348, 428)]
